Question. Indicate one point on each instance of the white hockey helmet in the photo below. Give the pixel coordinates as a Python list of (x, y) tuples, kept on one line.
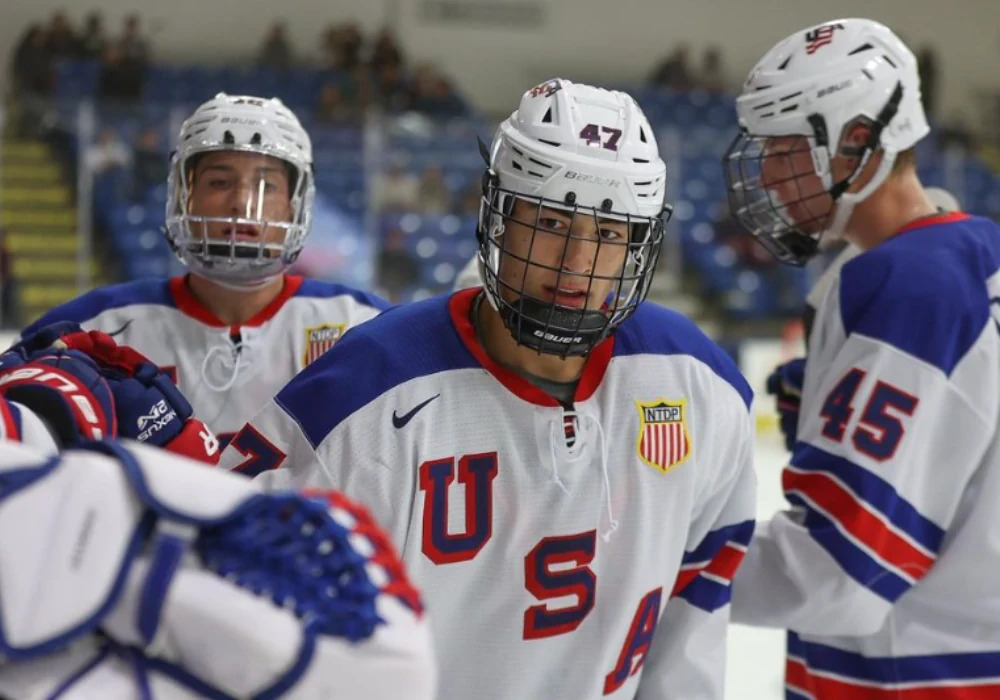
[(253, 125), (584, 151), (815, 83)]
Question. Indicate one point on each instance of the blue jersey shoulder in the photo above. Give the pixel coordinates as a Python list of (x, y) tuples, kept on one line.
[(97, 301), (401, 344), (656, 330), (325, 290), (924, 290)]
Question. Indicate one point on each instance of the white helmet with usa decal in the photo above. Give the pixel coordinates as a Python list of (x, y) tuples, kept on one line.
[(816, 83), (586, 152)]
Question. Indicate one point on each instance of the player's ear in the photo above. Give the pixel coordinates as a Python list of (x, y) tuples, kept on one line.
[(856, 137)]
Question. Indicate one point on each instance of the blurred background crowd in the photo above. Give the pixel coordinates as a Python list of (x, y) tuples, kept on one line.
[(91, 115)]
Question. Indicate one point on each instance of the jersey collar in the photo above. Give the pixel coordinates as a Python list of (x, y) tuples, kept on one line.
[(189, 305), (933, 220), (460, 308)]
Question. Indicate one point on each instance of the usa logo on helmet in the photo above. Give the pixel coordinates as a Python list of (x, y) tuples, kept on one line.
[(664, 441), (820, 37), (319, 339)]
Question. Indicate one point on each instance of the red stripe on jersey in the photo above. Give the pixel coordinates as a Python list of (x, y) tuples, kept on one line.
[(843, 507), (726, 562), (9, 424), (722, 566), (934, 220), (460, 307), (683, 579), (798, 678)]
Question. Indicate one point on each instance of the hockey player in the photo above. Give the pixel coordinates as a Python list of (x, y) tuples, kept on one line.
[(236, 328), (565, 470), (132, 572), (785, 383), (894, 477)]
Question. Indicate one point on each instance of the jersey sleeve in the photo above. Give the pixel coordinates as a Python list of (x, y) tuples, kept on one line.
[(688, 653), (303, 438), (890, 435)]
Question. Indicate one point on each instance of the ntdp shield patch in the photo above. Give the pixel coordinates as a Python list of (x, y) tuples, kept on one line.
[(664, 441), (319, 339)]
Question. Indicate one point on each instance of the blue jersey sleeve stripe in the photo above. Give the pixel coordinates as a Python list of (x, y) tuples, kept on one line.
[(895, 669), (324, 290), (404, 343), (854, 560), (874, 491), (656, 330), (97, 301), (924, 291), (714, 541)]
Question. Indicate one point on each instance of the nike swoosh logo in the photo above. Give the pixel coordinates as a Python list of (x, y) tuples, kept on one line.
[(122, 329), (400, 421)]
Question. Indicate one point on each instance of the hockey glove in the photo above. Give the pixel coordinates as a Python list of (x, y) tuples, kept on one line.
[(63, 388), (148, 407), (785, 383)]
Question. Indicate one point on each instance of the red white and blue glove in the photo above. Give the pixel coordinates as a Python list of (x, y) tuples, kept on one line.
[(87, 387), (785, 383)]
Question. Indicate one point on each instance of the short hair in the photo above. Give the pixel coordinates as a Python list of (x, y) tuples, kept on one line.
[(905, 161)]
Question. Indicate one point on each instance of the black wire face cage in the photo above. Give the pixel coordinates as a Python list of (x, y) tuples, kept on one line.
[(791, 230), (546, 306), (788, 230)]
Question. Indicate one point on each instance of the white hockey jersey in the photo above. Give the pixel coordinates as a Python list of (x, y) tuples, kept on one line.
[(552, 568), (227, 372), (886, 566)]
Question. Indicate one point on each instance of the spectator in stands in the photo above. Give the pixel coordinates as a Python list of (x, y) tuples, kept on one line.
[(108, 153), (433, 195), (134, 48), (8, 289), (341, 47), (674, 72), (431, 93), (121, 79), (93, 40), (62, 42), (351, 43), (398, 271), (711, 77), (469, 201), (332, 108), (329, 47), (276, 52), (385, 52), (396, 189), (391, 91), (32, 65), (149, 163), (358, 88)]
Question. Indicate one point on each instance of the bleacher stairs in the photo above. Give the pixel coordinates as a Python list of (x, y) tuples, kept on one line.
[(39, 215)]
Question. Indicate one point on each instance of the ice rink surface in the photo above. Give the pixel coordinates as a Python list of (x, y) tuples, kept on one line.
[(755, 667)]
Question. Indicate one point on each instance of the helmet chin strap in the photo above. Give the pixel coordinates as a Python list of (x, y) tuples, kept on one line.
[(846, 202)]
